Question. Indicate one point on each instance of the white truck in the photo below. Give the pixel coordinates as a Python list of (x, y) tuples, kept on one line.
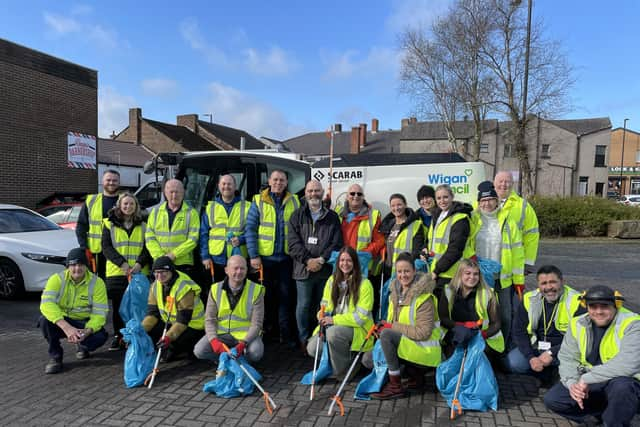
[(381, 175)]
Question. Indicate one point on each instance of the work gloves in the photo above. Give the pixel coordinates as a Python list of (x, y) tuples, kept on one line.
[(163, 343), (240, 347), (462, 336), (217, 346), (382, 325)]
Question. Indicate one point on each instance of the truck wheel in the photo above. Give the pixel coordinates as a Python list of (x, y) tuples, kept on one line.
[(11, 282)]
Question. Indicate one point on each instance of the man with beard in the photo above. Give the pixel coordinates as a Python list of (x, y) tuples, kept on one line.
[(540, 324), (313, 234)]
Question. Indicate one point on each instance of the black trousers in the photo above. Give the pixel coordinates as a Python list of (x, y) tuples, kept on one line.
[(116, 286), (183, 344), (53, 334)]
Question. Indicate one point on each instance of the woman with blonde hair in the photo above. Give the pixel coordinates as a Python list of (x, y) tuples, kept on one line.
[(125, 252), (467, 306)]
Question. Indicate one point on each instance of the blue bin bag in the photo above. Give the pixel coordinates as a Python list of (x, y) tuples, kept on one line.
[(373, 382), (134, 300), (421, 265), (363, 257), (479, 388), (384, 298), (489, 270), (235, 250), (140, 356), (324, 367), (230, 380)]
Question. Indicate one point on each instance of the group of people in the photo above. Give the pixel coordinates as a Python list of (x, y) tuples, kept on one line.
[(272, 275)]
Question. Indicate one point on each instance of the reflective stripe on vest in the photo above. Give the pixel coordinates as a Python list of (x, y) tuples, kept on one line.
[(533, 301), (404, 240), (89, 309), (267, 226), (182, 285), (222, 224), (129, 246), (94, 212), (236, 322), (439, 244)]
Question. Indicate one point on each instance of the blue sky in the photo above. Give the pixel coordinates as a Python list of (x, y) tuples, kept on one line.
[(279, 69)]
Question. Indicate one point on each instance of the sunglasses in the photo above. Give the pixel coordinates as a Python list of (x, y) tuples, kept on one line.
[(354, 193)]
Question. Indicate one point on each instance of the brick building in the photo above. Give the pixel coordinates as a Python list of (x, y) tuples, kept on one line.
[(42, 98)]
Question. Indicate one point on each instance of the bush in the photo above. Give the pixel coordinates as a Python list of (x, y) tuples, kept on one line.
[(579, 216)]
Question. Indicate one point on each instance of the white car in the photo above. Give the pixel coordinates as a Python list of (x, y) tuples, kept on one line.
[(32, 248), (630, 200)]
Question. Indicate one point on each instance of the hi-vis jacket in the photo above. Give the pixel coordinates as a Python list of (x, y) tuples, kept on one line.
[(129, 246), (87, 300), (236, 321), (619, 350), (221, 226), (568, 304), (367, 236), (522, 213), (358, 317), (94, 212), (511, 252), (416, 318), (267, 223), (448, 239), (181, 239), (483, 297)]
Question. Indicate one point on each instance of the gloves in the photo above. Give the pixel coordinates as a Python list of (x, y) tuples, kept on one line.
[(471, 324), (163, 343), (462, 336), (240, 347), (519, 290), (216, 346), (382, 325), (484, 335)]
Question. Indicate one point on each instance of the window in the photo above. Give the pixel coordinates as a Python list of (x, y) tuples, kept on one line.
[(601, 151), (484, 147), (23, 221), (638, 156), (545, 151), (583, 186), (509, 150)]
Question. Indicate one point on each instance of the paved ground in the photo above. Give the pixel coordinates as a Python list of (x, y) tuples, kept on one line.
[(92, 392)]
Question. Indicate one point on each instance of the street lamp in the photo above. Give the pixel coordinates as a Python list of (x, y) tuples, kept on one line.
[(624, 133)]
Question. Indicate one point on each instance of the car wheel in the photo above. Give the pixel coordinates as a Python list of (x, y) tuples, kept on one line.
[(11, 282)]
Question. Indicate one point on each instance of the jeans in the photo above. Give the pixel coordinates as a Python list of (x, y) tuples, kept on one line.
[(253, 352), (308, 302), (339, 339), (615, 402), (389, 341), (53, 334)]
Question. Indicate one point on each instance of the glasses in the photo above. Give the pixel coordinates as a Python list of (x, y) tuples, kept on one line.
[(355, 193)]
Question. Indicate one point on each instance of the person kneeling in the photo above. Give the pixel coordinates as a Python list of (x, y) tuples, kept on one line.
[(174, 302), (234, 315)]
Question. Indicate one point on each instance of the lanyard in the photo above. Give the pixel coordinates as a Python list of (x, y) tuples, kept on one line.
[(546, 325)]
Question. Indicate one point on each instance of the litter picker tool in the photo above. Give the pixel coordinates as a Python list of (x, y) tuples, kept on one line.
[(268, 401), (152, 376), (336, 399), (315, 359), (211, 270), (383, 257), (455, 403)]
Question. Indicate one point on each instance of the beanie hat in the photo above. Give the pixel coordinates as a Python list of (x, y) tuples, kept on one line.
[(486, 190), (163, 263), (77, 256)]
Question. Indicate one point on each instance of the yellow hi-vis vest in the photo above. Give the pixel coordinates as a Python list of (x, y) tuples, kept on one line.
[(483, 296), (404, 240), (222, 224), (130, 247), (268, 219), (439, 241), (610, 344), (365, 234), (357, 317), (162, 240), (182, 285), (511, 251), (426, 353), (94, 212), (568, 304), (237, 321)]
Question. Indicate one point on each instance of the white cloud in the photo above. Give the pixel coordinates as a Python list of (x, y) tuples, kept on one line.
[(274, 62), (113, 111), (414, 13), (379, 61), (236, 109), (190, 31), (61, 26), (159, 87)]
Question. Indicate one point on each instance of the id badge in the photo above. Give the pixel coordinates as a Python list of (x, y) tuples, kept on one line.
[(312, 240), (544, 345)]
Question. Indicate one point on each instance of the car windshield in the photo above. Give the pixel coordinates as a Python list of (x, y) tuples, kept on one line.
[(21, 221)]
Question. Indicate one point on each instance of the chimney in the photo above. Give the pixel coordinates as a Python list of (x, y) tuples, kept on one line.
[(404, 123), (413, 120), (355, 140), (135, 116), (374, 125), (363, 134), (190, 121), (337, 127)]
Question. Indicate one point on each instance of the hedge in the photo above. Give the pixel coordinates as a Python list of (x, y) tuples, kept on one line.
[(579, 216)]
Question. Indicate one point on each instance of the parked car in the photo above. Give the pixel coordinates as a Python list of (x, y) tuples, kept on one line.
[(613, 195), (630, 200), (59, 202), (32, 248), (68, 217)]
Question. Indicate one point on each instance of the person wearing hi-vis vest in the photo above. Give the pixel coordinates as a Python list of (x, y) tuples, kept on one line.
[(539, 325), (174, 300), (73, 305), (125, 252), (222, 228), (467, 306), (347, 301), (172, 228), (494, 236), (89, 224), (599, 363), (447, 237), (266, 232), (234, 315), (411, 333)]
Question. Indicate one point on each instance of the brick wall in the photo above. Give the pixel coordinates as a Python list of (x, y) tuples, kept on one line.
[(41, 99)]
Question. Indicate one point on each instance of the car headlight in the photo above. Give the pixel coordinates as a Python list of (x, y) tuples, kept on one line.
[(49, 259)]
